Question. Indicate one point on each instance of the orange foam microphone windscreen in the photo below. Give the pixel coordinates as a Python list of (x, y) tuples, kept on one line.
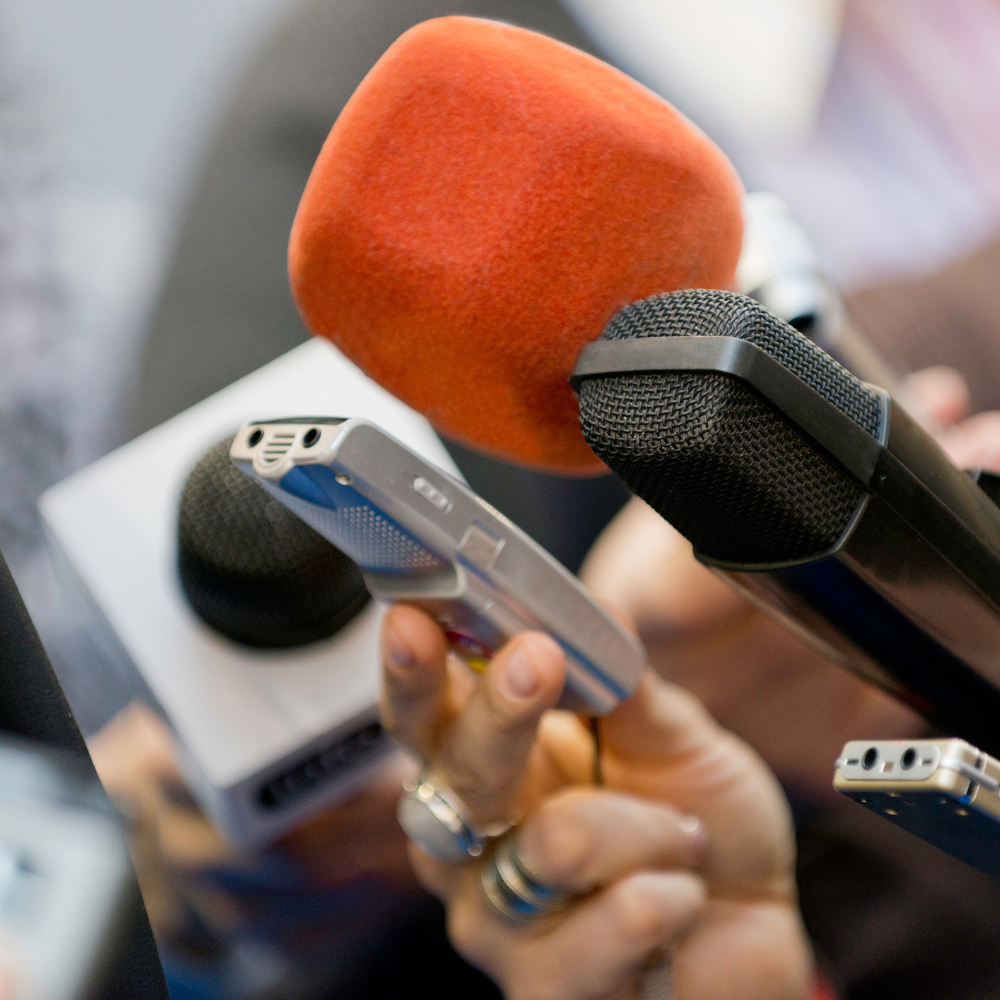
[(486, 201)]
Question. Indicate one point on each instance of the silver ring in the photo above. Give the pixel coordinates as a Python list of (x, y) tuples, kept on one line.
[(513, 891), (435, 819)]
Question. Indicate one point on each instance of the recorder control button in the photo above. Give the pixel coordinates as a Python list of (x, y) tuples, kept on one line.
[(480, 548), (432, 493)]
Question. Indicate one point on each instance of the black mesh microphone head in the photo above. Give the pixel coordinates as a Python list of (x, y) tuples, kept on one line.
[(711, 455), (253, 570)]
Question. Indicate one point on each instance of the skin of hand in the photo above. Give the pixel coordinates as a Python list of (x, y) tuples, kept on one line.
[(687, 849), (173, 844), (787, 701)]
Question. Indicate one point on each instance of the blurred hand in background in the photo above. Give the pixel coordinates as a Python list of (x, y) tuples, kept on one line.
[(304, 910)]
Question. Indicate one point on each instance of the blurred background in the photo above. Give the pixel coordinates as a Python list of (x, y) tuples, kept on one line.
[(106, 111), (152, 156)]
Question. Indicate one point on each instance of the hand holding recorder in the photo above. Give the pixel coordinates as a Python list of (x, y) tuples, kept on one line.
[(491, 758), (630, 873)]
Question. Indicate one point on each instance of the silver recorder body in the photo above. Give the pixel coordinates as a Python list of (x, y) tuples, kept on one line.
[(421, 536)]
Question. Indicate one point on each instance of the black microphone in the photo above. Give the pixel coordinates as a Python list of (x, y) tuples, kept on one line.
[(254, 571), (809, 490)]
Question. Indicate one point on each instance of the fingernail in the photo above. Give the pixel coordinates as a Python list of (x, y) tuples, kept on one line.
[(521, 676), (396, 650), (695, 831)]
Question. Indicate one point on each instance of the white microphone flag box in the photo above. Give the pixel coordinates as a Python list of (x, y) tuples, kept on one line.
[(267, 737)]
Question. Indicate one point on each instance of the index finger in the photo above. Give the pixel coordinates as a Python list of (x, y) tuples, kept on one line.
[(484, 755), (477, 742), (417, 700)]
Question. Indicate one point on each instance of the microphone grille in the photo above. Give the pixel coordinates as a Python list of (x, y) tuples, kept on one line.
[(254, 571), (703, 312), (707, 452)]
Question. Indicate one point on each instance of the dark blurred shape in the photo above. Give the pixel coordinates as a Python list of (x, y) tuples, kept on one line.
[(988, 482), (254, 571), (64, 868), (892, 915), (32, 706)]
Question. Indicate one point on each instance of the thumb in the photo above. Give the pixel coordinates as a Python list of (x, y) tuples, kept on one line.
[(662, 744), (659, 722)]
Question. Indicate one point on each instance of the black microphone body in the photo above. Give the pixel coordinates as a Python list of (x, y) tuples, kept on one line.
[(812, 492), (252, 570)]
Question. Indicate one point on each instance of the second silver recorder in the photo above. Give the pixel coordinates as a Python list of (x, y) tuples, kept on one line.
[(421, 536)]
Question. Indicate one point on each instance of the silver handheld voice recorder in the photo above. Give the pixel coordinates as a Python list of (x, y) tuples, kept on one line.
[(421, 536), (944, 791)]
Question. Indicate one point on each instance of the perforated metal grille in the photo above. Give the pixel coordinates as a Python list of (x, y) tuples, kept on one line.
[(700, 312), (252, 569), (708, 453), (372, 540)]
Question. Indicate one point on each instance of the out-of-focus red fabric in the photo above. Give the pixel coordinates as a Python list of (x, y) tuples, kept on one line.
[(822, 991)]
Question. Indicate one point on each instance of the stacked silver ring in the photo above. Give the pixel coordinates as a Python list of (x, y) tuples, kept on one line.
[(512, 889), (435, 819)]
